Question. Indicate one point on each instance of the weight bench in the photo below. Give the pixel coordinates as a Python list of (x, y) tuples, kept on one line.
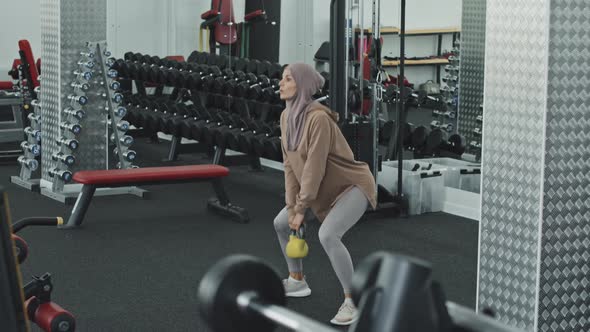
[(149, 176)]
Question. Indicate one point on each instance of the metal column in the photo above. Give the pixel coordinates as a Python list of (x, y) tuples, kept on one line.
[(534, 257)]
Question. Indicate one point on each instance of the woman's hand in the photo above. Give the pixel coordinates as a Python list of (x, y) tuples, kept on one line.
[(295, 222)]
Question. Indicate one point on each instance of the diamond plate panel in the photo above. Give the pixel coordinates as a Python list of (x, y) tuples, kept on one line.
[(515, 106), (85, 21), (66, 27), (471, 79), (50, 82), (564, 304)]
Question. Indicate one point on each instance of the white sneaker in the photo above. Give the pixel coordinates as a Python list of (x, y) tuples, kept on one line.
[(347, 314), (296, 288)]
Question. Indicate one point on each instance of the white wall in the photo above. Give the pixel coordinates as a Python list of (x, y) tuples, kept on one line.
[(18, 20), (161, 27), (171, 27)]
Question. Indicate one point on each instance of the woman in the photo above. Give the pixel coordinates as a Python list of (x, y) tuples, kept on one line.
[(321, 175)]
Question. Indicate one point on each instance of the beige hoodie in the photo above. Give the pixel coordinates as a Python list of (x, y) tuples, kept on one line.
[(323, 166)]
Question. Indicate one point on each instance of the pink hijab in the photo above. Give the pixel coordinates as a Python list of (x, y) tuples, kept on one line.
[(308, 81)]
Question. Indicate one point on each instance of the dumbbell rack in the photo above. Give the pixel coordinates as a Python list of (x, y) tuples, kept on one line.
[(29, 162), (90, 119), (447, 120)]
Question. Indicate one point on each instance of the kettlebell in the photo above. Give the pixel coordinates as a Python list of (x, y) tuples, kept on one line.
[(297, 247)]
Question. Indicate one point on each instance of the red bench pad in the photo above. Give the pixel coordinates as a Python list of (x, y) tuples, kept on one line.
[(150, 174), (6, 85)]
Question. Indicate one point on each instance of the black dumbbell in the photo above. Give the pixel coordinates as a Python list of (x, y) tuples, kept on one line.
[(199, 127), (434, 140), (268, 93), (455, 144), (272, 148), (220, 85), (275, 71), (418, 139), (173, 124), (244, 87), (448, 127), (241, 64), (259, 141), (247, 138)]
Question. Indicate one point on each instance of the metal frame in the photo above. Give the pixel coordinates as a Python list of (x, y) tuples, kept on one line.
[(90, 190)]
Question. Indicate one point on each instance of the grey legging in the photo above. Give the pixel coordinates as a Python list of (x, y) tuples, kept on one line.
[(344, 214)]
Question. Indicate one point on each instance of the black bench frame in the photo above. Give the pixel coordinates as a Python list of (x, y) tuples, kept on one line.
[(219, 204)]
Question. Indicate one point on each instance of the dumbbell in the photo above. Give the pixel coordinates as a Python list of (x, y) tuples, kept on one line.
[(273, 149), (418, 139), (221, 121), (33, 133), (34, 117), (194, 113), (34, 149), (220, 83), (201, 130), (448, 127), (265, 92), (75, 113), (212, 81), (449, 89), (246, 139), (241, 64), (143, 108), (275, 71), (150, 119), (74, 128), (433, 143), (475, 145), (223, 134), (479, 118), (446, 114), (450, 79), (30, 163), (80, 86), (477, 132), (259, 142), (451, 68), (243, 292), (129, 155), (66, 159), (80, 100), (64, 175), (70, 143), (125, 140), (244, 87), (231, 86), (172, 124), (83, 75), (455, 144)]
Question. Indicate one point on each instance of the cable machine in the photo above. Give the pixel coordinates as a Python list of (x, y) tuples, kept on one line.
[(362, 134)]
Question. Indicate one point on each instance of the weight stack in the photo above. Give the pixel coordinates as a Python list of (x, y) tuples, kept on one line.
[(534, 257), (359, 136)]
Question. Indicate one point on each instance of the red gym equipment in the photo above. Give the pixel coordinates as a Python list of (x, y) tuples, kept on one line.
[(33, 301)]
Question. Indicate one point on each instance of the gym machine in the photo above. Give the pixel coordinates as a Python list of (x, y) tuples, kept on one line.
[(220, 25), (393, 293), (19, 304)]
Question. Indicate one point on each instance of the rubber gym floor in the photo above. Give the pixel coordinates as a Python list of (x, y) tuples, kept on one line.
[(135, 265)]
